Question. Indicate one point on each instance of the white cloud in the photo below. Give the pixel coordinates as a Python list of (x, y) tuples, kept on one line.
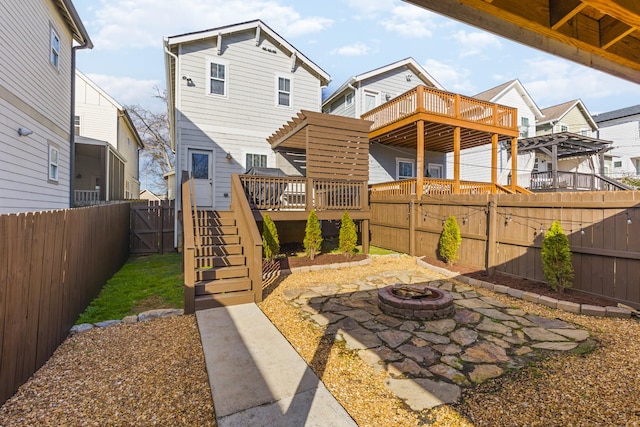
[(475, 43), (410, 21), (143, 23), (453, 78), (355, 49), (371, 8), (552, 81), (127, 90)]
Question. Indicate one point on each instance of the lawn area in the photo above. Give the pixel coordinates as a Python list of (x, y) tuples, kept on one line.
[(143, 283)]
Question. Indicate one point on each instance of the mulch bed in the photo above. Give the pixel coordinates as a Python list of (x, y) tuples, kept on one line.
[(526, 285)]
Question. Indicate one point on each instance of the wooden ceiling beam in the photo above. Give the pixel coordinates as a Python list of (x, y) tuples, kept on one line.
[(627, 11), (560, 11), (612, 31)]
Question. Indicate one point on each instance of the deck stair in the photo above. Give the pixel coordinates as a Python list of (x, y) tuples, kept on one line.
[(221, 272)]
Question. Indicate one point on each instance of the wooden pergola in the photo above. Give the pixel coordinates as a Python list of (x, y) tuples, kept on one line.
[(430, 119)]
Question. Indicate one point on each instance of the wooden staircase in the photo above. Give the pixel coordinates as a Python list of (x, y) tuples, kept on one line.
[(221, 272), (222, 252)]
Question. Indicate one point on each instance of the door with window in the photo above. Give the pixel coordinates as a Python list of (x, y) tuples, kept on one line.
[(201, 169), (434, 170)]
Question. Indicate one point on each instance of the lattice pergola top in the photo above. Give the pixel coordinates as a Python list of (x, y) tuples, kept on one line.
[(293, 135), (568, 144)]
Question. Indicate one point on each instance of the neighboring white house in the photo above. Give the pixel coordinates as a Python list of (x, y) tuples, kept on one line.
[(107, 146), (366, 91), (36, 78), (475, 162), (229, 88), (623, 128)]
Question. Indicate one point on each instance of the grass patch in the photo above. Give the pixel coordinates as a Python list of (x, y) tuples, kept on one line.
[(329, 246), (143, 283)]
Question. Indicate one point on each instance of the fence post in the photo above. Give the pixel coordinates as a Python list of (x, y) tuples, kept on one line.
[(412, 225), (492, 229)]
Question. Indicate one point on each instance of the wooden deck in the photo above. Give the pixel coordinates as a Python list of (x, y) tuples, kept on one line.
[(437, 186)]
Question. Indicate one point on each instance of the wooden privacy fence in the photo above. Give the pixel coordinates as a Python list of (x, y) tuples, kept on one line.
[(152, 227), (52, 264), (505, 231)]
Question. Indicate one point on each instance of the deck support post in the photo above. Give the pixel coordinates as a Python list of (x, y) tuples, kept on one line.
[(456, 160), (554, 166), (364, 227), (494, 161), (514, 164), (413, 214), (420, 157)]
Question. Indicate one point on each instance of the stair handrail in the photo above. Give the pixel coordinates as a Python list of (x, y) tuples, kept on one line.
[(613, 182), (250, 237), (189, 251)]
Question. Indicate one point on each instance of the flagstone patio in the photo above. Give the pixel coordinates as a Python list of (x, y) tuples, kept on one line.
[(429, 362)]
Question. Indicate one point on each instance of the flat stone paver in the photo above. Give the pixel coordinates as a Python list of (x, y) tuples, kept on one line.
[(428, 361)]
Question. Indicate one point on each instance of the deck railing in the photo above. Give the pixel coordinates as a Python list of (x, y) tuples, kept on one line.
[(422, 99), (577, 181), (434, 186), (86, 197), (300, 193)]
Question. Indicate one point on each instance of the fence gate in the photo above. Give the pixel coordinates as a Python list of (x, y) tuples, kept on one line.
[(152, 227)]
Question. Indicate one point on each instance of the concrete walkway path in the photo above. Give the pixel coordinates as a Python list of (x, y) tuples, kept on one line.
[(257, 378)]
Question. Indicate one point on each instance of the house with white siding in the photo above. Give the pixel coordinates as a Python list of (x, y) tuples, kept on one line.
[(40, 39), (363, 92), (107, 147), (475, 161), (622, 127), (229, 88)]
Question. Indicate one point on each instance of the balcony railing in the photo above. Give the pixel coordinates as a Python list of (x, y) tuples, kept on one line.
[(423, 99), (434, 186), (575, 181), (300, 193)]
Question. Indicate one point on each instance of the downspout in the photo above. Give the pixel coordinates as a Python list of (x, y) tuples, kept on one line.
[(72, 125), (177, 237), (355, 97)]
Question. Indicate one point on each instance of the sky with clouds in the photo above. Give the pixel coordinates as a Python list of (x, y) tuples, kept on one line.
[(345, 38)]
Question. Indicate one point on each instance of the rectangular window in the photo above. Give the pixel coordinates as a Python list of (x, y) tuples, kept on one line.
[(584, 132), (617, 164), (256, 161), (200, 165), (284, 91), (217, 78), (76, 125), (405, 168), (564, 128), (524, 127), (348, 100), (53, 163), (55, 49), (370, 101)]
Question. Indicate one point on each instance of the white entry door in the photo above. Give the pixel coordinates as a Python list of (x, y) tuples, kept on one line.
[(201, 168)]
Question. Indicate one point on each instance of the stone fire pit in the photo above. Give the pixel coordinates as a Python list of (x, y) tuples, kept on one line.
[(417, 301)]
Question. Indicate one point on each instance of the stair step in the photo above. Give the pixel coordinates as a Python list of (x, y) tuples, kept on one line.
[(204, 302), (215, 222), (219, 250), (219, 231), (222, 215), (219, 261), (223, 285), (219, 240), (222, 273)]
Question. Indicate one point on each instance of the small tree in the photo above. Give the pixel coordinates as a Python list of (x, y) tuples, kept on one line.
[(556, 258), (270, 241), (312, 235), (348, 235), (450, 240)]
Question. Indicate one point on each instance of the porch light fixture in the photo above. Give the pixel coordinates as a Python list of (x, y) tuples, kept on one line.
[(228, 156), (581, 229), (24, 132), (464, 221), (541, 230), (628, 218)]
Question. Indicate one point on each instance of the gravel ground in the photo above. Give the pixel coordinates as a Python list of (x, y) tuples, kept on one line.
[(600, 388), (153, 373), (149, 373)]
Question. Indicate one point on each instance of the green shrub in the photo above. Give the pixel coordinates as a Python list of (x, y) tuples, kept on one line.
[(348, 238), (270, 241), (450, 240), (556, 258), (312, 235)]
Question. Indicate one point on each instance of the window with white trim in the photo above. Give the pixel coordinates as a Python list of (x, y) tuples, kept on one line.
[(348, 99), (564, 128), (584, 132), (217, 81), (405, 168), (370, 100), (53, 163), (54, 51), (76, 125), (524, 127), (283, 91), (256, 160)]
